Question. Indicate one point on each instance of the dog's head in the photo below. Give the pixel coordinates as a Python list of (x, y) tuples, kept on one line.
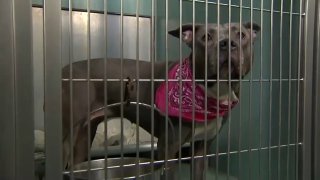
[(226, 43)]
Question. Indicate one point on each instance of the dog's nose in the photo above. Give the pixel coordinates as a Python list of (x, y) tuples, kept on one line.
[(224, 44)]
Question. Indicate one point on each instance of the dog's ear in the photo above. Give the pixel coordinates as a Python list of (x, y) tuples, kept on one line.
[(187, 35), (255, 28)]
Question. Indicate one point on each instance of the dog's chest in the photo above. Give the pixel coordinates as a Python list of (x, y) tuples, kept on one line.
[(201, 130), (212, 128)]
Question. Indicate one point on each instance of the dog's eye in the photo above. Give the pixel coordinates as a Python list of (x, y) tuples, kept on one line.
[(242, 35), (208, 37)]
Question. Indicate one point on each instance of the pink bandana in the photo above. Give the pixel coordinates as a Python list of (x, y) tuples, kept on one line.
[(186, 104)]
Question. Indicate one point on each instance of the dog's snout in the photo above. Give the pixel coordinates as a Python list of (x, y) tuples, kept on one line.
[(224, 44)]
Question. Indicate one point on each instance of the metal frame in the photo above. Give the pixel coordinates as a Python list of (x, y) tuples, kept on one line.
[(16, 109), (16, 154), (52, 88), (316, 94), (245, 7), (7, 111), (308, 50)]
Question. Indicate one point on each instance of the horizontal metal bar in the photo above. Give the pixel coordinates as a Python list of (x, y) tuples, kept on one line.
[(131, 102), (128, 149), (94, 11), (247, 7), (184, 80), (189, 158), (198, 1)]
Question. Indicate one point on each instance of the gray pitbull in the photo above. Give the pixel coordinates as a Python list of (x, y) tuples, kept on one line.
[(240, 55)]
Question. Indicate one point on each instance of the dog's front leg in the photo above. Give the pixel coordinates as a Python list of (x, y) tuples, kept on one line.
[(197, 171), (167, 149), (82, 142), (166, 152)]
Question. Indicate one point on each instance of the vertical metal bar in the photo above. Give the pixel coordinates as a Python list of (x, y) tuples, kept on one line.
[(153, 56), (297, 164), (250, 88), (180, 88), (193, 86), (205, 159), (229, 87), (317, 98), (88, 87), (7, 95), (23, 89), (105, 85), (138, 91), (218, 89), (280, 89), (121, 84), (71, 89), (167, 100), (270, 89), (261, 91), (289, 88), (53, 114), (307, 95), (240, 106)]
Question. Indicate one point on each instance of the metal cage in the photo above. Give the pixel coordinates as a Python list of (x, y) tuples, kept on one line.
[(273, 133)]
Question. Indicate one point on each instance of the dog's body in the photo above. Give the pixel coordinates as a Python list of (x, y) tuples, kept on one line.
[(115, 92)]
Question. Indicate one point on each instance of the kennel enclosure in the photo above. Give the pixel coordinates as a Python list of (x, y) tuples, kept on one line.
[(272, 134)]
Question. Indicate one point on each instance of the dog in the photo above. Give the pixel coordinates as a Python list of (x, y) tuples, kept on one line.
[(237, 64)]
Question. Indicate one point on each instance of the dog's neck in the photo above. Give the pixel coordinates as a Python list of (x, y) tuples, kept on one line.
[(199, 73), (225, 94)]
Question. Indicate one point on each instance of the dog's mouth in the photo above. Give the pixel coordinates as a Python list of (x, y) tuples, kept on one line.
[(233, 76), (229, 68)]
